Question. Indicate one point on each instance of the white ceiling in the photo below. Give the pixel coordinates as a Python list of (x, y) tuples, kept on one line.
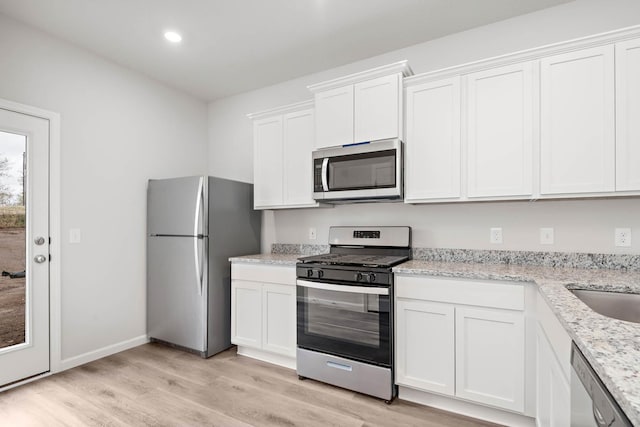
[(232, 46)]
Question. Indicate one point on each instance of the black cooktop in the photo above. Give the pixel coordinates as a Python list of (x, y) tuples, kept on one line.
[(364, 260)]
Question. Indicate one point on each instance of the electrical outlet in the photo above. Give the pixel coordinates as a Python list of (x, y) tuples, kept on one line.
[(623, 237), (495, 235), (312, 233), (546, 236)]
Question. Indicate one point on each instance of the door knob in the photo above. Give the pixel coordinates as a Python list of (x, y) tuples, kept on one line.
[(39, 240), (40, 259)]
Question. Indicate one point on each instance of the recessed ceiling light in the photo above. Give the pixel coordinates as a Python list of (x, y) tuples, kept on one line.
[(173, 37)]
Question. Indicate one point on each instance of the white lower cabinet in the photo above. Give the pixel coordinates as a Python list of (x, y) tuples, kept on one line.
[(263, 312), (490, 357), (463, 338), (553, 393), (246, 306), (553, 369), (279, 319), (425, 333)]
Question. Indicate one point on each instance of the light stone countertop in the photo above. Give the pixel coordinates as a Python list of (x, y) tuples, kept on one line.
[(273, 259), (611, 346)]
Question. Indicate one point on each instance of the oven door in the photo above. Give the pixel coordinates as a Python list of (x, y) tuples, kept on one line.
[(359, 172), (345, 320)]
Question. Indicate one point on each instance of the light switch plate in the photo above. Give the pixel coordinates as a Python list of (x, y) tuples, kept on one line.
[(495, 235), (312, 233), (75, 235)]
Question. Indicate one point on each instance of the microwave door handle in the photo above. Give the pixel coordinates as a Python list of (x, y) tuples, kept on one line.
[(325, 178)]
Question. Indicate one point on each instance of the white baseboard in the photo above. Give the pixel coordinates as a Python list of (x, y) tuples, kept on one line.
[(469, 409), (90, 356), (265, 356)]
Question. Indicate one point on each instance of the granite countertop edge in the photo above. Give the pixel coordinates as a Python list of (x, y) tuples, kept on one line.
[(611, 346), (274, 259)]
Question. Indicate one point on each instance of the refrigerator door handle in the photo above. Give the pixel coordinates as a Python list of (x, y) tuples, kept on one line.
[(197, 236)]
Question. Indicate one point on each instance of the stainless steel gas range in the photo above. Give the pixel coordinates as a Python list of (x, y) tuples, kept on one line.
[(345, 309)]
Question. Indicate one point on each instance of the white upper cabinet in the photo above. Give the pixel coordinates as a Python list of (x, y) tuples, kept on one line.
[(267, 162), (334, 117), (361, 107), (283, 141), (377, 108), (298, 145), (432, 145), (627, 115), (577, 122), (499, 132)]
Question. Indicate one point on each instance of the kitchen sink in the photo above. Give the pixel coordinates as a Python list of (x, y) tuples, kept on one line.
[(612, 304)]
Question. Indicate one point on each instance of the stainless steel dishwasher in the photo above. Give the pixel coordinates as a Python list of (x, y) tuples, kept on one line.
[(591, 402)]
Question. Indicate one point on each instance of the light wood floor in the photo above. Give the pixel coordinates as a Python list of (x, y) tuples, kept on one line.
[(158, 386)]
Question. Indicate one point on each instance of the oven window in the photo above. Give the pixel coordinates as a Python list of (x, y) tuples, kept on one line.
[(344, 316), (348, 324), (362, 171)]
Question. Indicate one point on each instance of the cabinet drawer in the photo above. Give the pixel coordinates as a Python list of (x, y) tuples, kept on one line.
[(498, 294), (285, 275)]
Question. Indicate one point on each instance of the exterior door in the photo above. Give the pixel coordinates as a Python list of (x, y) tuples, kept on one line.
[(24, 246)]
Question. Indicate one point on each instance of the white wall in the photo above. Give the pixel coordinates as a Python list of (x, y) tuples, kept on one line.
[(585, 226), (118, 129)]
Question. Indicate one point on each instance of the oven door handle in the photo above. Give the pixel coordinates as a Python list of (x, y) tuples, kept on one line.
[(344, 288)]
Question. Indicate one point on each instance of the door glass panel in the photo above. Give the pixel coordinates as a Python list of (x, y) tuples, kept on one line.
[(344, 316), (12, 238), (362, 171)]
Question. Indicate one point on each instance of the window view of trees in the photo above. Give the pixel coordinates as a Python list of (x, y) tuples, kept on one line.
[(11, 195), (12, 180), (12, 239)]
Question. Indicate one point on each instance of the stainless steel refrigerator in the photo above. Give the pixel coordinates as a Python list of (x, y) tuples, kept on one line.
[(194, 225)]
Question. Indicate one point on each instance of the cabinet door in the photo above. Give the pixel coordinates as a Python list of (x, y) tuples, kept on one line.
[(433, 141), (334, 117), (577, 151), (299, 136), (425, 346), (267, 162), (553, 398), (246, 313), (490, 357), (377, 109), (500, 131), (279, 319), (627, 113)]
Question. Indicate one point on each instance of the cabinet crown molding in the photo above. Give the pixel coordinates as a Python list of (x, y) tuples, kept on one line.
[(290, 108), (526, 55), (385, 70)]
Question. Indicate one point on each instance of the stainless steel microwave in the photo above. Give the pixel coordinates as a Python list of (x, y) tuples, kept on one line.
[(369, 171)]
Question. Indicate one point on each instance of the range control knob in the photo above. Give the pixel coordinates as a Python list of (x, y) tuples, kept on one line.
[(372, 277), (309, 273), (359, 277), (320, 273)]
